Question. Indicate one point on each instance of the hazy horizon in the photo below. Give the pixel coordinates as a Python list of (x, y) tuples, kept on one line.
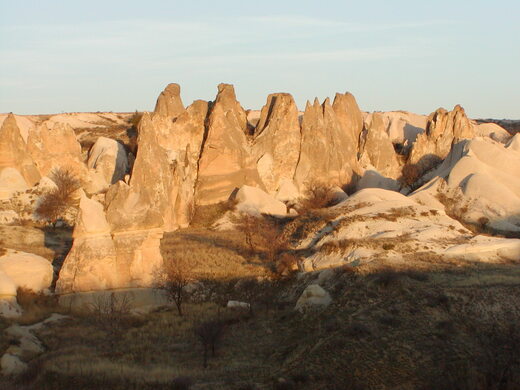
[(118, 56)]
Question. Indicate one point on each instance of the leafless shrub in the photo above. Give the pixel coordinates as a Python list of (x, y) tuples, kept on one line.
[(109, 309), (182, 383), (410, 174), (177, 274), (136, 118), (55, 203), (287, 262), (209, 334), (317, 196)]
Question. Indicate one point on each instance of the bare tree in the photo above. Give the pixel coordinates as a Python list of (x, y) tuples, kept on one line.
[(54, 204), (177, 274), (316, 196), (247, 224), (209, 334)]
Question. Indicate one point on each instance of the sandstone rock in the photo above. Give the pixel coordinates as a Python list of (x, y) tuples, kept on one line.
[(493, 131), (322, 131), (21, 270), (442, 130), (169, 103), (225, 162), (14, 154), (287, 192), (91, 263), (514, 143), (403, 127), (27, 270), (238, 305), (313, 296), (107, 163), (277, 141), (379, 150), (54, 145), (373, 179), (145, 203), (12, 365), (254, 201), (11, 181)]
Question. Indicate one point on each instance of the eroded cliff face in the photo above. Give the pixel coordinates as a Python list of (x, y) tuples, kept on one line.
[(201, 154), (443, 129), (226, 161)]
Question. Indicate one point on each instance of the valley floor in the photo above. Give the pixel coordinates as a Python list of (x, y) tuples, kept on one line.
[(448, 328)]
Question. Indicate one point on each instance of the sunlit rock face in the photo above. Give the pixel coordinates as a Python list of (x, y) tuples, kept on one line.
[(107, 163), (91, 262), (14, 154), (442, 130), (169, 103), (329, 142), (378, 150), (226, 160), (276, 146), (54, 145)]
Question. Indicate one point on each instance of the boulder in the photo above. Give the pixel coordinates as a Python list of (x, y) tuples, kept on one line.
[(107, 163), (313, 296), (12, 365), (27, 270), (21, 270), (254, 201)]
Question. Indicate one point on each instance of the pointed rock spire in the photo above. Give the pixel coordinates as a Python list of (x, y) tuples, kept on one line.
[(169, 103)]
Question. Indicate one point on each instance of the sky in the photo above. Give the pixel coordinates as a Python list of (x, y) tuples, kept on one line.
[(414, 55)]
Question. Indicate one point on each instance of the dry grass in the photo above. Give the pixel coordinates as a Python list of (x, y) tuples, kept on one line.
[(206, 216), (400, 328), (215, 254)]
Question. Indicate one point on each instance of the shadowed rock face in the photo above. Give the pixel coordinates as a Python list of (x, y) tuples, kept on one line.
[(442, 130)]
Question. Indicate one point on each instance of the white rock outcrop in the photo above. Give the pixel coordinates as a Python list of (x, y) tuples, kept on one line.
[(254, 201), (21, 270), (107, 164), (313, 296)]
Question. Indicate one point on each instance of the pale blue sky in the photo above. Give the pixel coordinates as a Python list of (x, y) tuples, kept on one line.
[(62, 56)]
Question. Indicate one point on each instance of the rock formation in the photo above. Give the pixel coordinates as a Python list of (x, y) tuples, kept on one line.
[(442, 130), (277, 141), (21, 270), (107, 163), (14, 154), (378, 150), (169, 103), (54, 145), (329, 142), (226, 162)]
